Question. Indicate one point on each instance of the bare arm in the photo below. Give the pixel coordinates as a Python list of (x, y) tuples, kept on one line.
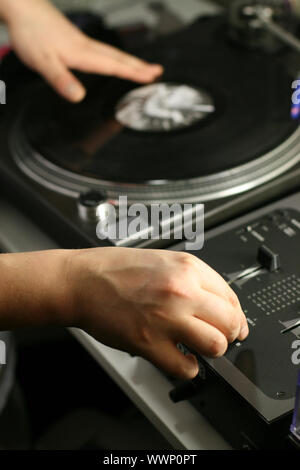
[(33, 289), (140, 301)]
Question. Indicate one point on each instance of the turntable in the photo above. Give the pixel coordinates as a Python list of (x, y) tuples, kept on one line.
[(216, 129)]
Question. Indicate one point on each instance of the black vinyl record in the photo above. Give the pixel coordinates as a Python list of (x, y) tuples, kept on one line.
[(251, 92)]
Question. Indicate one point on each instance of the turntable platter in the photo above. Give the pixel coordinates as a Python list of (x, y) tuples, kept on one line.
[(246, 137)]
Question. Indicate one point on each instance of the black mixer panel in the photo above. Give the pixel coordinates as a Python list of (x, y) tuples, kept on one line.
[(249, 394), (261, 262)]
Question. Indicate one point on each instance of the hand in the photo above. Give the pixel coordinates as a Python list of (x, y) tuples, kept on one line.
[(142, 301), (147, 301), (50, 44)]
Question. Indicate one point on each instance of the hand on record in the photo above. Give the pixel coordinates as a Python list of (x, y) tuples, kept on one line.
[(46, 41), (147, 301)]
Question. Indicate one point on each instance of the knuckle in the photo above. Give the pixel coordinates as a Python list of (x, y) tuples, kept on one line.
[(41, 60), (143, 337), (233, 327), (218, 346), (172, 287), (180, 371), (229, 321), (187, 261), (46, 56), (233, 299), (185, 268), (158, 315), (60, 80)]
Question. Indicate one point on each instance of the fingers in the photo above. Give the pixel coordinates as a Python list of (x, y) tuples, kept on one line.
[(93, 57), (197, 335), (167, 357), (214, 300), (221, 314), (96, 57), (61, 79), (202, 337)]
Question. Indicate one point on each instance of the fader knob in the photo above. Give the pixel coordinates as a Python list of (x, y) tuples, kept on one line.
[(268, 258)]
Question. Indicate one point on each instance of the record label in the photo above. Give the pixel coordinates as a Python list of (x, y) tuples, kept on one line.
[(163, 107)]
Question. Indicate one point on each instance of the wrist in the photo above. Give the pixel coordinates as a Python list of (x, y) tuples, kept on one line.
[(85, 274), (34, 289)]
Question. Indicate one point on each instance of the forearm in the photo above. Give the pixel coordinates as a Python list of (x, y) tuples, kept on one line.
[(33, 289), (10, 9)]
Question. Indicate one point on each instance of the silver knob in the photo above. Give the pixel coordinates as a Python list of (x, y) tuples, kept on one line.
[(93, 206)]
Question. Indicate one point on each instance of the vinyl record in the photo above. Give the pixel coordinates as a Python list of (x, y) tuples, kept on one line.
[(248, 93)]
